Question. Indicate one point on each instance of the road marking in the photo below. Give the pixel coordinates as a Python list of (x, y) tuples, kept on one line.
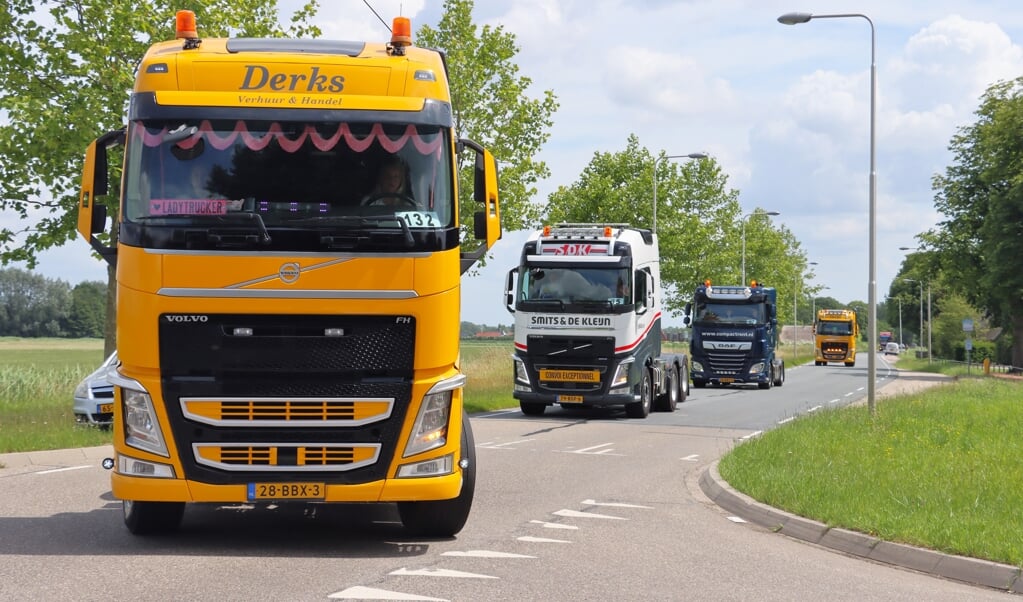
[(735, 519), (786, 420), (751, 435), (691, 458), (548, 525), (541, 539), (440, 573), (489, 445), (485, 554), (65, 469), (835, 400), (360, 592), (850, 394), (578, 514), (615, 504), (814, 409), (589, 450)]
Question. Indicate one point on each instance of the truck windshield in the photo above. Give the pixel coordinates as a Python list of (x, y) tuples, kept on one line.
[(842, 329), (304, 186), (608, 287), (728, 313)]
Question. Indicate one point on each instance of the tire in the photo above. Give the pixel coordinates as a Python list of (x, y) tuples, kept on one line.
[(770, 380), (445, 518), (641, 408), (531, 408), (669, 400), (152, 518), (852, 363), (780, 378), (683, 382), (699, 384)]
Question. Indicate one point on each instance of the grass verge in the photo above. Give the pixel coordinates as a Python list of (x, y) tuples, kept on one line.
[(938, 469)]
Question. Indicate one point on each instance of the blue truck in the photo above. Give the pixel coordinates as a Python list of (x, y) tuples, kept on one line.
[(734, 336)]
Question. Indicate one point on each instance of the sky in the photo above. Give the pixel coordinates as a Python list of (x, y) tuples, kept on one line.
[(784, 110)]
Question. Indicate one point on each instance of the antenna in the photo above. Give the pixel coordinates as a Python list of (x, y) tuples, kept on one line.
[(366, 2)]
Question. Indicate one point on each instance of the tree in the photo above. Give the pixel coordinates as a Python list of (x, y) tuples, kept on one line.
[(87, 314), (698, 219), (981, 195), (67, 68), (491, 107), (32, 305)]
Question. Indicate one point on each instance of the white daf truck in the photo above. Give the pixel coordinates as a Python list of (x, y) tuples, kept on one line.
[(587, 306)]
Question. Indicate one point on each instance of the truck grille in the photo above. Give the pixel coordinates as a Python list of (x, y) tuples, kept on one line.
[(573, 354), (727, 363), (286, 394)]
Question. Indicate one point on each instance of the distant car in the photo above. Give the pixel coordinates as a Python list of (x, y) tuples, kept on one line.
[(891, 349), (94, 396)]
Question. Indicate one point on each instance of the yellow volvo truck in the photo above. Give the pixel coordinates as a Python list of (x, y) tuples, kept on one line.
[(835, 334), (288, 331)]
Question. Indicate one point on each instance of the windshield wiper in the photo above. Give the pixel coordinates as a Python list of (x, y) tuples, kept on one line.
[(353, 241), (213, 235)]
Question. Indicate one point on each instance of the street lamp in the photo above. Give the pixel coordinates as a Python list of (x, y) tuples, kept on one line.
[(697, 155), (929, 327), (744, 218), (796, 18)]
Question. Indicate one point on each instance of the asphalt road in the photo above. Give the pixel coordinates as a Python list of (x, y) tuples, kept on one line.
[(569, 506)]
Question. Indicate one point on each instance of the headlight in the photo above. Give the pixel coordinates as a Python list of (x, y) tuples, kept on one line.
[(520, 370), (757, 368), (697, 367), (82, 390), (141, 428), (621, 376), (430, 430)]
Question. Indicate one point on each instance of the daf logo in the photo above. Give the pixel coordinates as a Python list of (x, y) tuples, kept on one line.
[(289, 272), (186, 318)]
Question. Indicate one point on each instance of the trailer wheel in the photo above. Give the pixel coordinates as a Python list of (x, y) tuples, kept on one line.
[(530, 408), (683, 382), (152, 518), (445, 518), (641, 408)]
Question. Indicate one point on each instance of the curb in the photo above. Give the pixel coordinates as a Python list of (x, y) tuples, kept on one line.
[(1002, 577)]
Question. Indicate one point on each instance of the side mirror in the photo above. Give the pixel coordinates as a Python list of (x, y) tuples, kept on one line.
[(509, 289)]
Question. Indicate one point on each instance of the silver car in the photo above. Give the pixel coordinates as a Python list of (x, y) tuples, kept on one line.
[(94, 396)]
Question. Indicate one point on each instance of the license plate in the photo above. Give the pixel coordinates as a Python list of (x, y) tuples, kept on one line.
[(728, 380), (571, 376), (286, 491), (106, 408), (570, 398)]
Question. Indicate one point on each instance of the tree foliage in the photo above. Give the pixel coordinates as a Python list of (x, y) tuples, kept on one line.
[(981, 195), (699, 221), (491, 106)]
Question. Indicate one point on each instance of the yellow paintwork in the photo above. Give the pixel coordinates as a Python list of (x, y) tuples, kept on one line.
[(821, 340)]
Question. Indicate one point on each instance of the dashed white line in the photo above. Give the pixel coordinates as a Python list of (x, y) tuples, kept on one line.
[(615, 504), (578, 514), (485, 554), (65, 469), (548, 525), (440, 573), (370, 593), (541, 539)]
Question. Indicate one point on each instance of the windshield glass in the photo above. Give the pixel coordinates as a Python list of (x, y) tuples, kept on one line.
[(843, 329), (606, 286), (277, 180), (728, 313)]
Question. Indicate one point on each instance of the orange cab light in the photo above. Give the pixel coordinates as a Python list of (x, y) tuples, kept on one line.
[(185, 25), (706, 282), (753, 283), (607, 231), (401, 31), (546, 230)]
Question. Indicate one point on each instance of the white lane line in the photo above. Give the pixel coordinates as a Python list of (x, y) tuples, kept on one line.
[(691, 458), (65, 469), (485, 554), (835, 400), (615, 504), (489, 445), (440, 573), (590, 450), (735, 519), (547, 525), (814, 409), (850, 394), (577, 514), (360, 592), (786, 420), (751, 435), (541, 539)]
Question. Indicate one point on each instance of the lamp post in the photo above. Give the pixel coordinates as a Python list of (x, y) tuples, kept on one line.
[(744, 218), (922, 308), (697, 155), (793, 19)]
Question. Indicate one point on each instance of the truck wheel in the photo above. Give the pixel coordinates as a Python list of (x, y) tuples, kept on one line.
[(152, 518), (530, 408), (770, 380), (445, 518), (641, 408), (780, 380), (852, 363), (683, 382), (669, 400)]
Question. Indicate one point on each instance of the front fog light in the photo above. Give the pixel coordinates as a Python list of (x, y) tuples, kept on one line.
[(134, 467), (428, 468)]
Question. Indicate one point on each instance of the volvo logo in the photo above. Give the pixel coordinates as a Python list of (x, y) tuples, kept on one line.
[(289, 272), (186, 318)]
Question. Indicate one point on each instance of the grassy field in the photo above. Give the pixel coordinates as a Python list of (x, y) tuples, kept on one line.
[(939, 469)]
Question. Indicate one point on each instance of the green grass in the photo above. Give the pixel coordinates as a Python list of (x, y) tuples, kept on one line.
[(37, 383), (939, 469)]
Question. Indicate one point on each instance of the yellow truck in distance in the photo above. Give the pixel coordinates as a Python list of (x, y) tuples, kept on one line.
[(288, 331), (835, 333)]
